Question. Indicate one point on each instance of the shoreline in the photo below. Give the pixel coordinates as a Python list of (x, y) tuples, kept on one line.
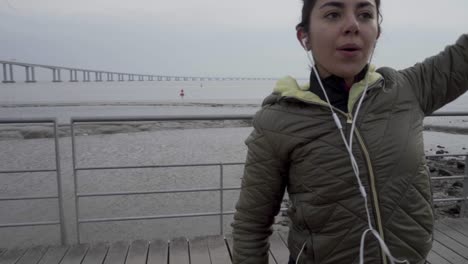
[(179, 102), (31, 131)]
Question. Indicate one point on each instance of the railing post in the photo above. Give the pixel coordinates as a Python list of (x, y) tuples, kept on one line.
[(59, 184), (464, 204), (75, 181), (221, 193)]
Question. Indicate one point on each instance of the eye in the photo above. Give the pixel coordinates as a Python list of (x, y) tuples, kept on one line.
[(366, 15), (332, 15)]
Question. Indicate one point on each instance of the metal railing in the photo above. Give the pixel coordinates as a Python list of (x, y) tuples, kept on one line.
[(464, 199), (221, 188), (59, 195), (221, 166)]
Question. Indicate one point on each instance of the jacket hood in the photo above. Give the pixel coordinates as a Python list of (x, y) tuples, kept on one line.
[(288, 87)]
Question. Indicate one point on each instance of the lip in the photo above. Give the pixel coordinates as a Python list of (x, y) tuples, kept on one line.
[(349, 50), (349, 46)]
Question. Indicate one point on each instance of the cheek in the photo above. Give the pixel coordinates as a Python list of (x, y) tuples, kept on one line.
[(321, 44)]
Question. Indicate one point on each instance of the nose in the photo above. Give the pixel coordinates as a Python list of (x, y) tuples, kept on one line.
[(351, 25)]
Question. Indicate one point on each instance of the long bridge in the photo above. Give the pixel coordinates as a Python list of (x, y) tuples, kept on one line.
[(88, 75)]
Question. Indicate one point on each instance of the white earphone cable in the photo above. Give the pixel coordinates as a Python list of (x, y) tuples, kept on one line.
[(354, 164)]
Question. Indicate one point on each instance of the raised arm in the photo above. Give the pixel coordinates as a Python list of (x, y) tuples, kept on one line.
[(442, 78), (263, 186)]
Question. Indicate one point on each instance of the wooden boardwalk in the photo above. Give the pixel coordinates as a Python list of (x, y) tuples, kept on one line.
[(450, 247)]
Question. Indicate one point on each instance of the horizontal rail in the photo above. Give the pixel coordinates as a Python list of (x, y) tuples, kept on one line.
[(439, 200), (134, 218), (160, 118), (25, 171), (446, 155), (444, 113), (157, 192), (27, 121), (197, 118), (45, 223), (461, 177), (153, 217), (157, 166), (28, 198)]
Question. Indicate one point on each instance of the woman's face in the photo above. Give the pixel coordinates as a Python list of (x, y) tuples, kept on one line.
[(342, 35)]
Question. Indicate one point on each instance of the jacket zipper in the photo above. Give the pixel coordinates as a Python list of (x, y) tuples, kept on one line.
[(374, 192), (372, 184)]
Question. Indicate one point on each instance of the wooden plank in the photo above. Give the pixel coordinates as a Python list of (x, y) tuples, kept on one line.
[(178, 251), (445, 240), (434, 258), (117, 253), (12, 256), (452, 233), (75, 254), (218, 251), (458, 224), (33, 255), (199, 253), (284, 236), (138, 252), (96, 254), (229, 242), (158, 252), (54, 255), (278, 249), (271, 257), (447, 253)]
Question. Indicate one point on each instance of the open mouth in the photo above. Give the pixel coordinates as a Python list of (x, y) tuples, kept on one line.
[(350, 49)]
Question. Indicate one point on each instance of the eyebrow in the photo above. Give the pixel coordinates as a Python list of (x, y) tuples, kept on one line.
[(342, 5)]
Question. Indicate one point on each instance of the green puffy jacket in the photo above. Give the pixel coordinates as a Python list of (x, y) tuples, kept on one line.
[(295, 145)]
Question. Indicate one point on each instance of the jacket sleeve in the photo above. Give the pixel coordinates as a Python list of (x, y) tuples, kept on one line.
[(259, 202), (442, 78)]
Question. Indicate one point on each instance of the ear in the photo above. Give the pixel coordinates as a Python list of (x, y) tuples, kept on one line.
[(302, 38)]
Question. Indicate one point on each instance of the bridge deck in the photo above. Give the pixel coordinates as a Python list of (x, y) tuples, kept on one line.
[(450, 247)]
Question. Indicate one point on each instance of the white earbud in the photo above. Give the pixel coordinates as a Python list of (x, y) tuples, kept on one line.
[(304, 43)]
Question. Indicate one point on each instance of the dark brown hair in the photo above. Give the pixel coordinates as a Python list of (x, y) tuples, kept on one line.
[(309, 5)]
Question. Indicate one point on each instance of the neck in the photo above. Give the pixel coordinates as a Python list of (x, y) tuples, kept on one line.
[(348, 81)]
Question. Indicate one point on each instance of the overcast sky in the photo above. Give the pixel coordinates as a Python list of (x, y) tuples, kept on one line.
[(205, 37)]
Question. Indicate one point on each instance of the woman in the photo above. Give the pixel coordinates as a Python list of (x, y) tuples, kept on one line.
[(348, 147)]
